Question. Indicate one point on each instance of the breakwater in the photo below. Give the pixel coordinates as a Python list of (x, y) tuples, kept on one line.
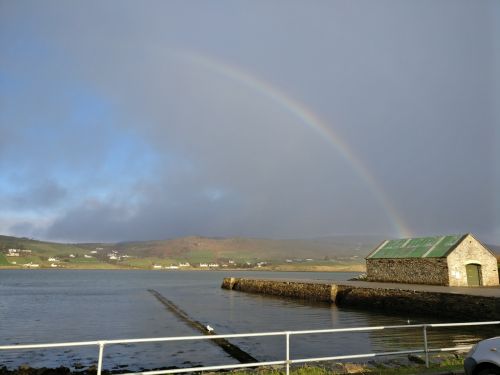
[(452, 305), (231, 349)]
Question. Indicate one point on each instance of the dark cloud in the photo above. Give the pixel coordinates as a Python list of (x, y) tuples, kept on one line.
[(26, 229), (145, 142), (35, 196)]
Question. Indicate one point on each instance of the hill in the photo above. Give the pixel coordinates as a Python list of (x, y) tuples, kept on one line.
[(211, 249), (236, 252), (40, 247)]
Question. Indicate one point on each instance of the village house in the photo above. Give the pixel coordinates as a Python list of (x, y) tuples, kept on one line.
[(31, 265), (445, 260)]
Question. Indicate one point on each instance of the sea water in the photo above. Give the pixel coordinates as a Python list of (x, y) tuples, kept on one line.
[(44, 306)]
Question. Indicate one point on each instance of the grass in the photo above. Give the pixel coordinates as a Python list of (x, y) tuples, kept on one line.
[(84, 260), (146, 263), (451, 365), (194, 250), (165, 253), (91, 266), (454, 367), (39, 247), (26, 259), (325, 267), (200, 256), (3, 260)]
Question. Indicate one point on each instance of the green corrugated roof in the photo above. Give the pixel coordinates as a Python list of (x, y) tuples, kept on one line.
[(425, 247)]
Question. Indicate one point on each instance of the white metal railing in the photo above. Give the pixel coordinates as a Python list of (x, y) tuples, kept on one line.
[(286, 362)]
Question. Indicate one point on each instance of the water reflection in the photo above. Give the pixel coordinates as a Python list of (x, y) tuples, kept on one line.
[(57, 306)]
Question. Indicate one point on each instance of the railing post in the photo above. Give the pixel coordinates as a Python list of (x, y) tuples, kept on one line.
[(426, 347), (99, 361), (287, 353)]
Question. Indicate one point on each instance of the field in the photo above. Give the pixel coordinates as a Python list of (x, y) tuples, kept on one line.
[(318, 267), (3, 260), (327, 254)]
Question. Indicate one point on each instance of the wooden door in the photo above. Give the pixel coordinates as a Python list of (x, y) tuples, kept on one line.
[(473, 274)]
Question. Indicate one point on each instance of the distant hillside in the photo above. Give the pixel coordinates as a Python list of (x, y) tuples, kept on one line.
[(252, 248), (40, 247), (339, 252), (146, 254), (38, 254)]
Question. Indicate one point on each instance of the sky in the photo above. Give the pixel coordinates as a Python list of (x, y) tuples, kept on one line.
[(128, 120)]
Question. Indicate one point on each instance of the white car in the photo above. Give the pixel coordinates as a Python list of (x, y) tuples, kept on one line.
[(484, 358)]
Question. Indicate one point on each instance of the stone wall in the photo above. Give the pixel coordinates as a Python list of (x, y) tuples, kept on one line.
[(457, 307), (433, 271), (443, 305), (302, 290), (471, 251)]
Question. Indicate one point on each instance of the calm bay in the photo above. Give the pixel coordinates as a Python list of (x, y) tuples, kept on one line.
[(42, 306)]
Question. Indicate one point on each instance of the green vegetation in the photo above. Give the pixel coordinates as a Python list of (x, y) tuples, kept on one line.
[(40, 247), (317, 267), (3, 260), (449, 365), (334, 254), (146, 262), (445, 364), (26, 259), (342, 254), (93, 266)]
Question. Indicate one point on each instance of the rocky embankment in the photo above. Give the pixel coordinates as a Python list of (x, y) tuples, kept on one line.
[(26, 370)]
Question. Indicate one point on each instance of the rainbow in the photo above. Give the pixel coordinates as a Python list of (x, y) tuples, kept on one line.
[(308, 118)]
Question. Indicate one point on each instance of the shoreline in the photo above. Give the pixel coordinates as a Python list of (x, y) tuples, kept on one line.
[(335, 270), (443, 363)]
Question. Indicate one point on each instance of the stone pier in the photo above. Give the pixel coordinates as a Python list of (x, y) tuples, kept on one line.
[(466, 304)]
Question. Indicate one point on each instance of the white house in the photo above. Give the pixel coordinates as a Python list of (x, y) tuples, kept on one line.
[(31, 265)]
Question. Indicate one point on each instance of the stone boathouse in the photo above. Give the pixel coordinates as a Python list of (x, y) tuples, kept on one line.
[(446, 260)]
